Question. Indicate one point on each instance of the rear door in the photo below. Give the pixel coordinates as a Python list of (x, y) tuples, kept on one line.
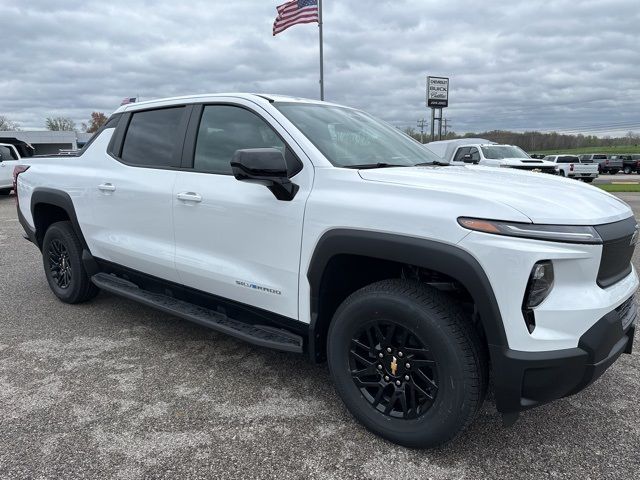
[(235, 239), (132, 189)]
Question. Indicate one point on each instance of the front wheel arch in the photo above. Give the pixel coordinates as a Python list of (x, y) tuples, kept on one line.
[(447, 259)]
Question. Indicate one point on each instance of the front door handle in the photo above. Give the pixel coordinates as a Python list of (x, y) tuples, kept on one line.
[(189, 197), (107, 187)]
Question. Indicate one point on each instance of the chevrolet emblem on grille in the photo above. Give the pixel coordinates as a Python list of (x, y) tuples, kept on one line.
[(394, 366)]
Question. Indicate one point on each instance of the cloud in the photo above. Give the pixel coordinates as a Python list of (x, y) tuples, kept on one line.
[(513, 65)]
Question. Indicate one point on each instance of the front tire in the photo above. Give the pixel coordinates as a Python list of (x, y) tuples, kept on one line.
[(627, 170), (62, 260), (406, 363), (5, 191), (588, 180)]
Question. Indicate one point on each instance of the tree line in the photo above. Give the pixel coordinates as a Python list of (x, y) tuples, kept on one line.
[(60, 124), (538, 141)]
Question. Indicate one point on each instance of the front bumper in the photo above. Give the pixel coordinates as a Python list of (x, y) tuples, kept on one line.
[(527, 379)]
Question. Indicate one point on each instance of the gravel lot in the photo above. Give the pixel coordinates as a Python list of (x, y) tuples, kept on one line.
[(111, 389)]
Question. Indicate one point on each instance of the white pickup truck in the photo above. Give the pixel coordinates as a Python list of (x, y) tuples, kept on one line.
[(314, 228), (9, 157), (484, 152), (570, 166)]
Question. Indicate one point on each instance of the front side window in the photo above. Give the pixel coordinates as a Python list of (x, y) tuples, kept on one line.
[(348, 138), (7, 153), (225, 129), (461, 153), (153, 138)]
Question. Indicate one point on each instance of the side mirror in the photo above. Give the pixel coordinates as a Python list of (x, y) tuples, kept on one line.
[(265, 166)]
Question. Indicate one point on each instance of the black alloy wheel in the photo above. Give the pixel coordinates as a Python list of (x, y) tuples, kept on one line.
[(394, 371), (60, 264), (63, 265)]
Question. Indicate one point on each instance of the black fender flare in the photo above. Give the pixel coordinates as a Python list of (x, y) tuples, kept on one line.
[(60, 199), (444, 258)]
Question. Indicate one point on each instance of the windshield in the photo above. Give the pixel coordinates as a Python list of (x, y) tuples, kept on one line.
[(498, 152), (349, 137)]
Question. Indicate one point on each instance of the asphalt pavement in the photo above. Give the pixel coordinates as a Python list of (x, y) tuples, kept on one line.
[(618, 178), (112, 389)]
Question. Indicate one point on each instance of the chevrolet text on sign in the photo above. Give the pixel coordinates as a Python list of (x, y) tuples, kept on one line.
[(437, 92)]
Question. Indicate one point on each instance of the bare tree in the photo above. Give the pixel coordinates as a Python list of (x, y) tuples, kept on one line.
[(8, 125), (60, 124)]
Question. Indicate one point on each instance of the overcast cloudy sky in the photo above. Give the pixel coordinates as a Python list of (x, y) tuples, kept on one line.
[(554, 64)]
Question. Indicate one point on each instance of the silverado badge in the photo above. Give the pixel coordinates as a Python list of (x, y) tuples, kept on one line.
[(394, 366)]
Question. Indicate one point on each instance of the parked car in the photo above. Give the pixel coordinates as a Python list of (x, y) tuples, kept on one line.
[(631, 163), (314, 228), (484, 152), (605, 163), (9, 157), (571, 167)]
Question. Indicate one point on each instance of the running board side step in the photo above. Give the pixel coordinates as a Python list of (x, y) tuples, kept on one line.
[(261, 335)]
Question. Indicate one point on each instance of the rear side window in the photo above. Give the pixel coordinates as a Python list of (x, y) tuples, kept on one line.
[(153, 138), (225, 129), (599, 157)]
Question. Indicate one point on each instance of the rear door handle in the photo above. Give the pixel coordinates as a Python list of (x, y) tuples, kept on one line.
[(189, 197), (107, 187)]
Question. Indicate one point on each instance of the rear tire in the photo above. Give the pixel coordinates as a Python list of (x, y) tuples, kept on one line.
[(63, 267), (5, 191), (614, 172), (627, 170), (440, 376)]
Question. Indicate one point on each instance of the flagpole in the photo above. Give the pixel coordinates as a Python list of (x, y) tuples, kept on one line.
[(321, 50)]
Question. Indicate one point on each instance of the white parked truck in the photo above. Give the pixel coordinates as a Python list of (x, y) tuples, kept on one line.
[(9, 157), (484, 152), (570, 166), (314, 228)]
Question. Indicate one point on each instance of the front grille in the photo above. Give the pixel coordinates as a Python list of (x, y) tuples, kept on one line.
[(617, 249)]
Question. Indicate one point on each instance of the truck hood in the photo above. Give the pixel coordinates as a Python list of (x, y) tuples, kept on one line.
[(543, 198), (522, 162)]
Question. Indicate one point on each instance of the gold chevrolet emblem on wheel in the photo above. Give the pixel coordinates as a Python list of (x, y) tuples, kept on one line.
[(394, 366)]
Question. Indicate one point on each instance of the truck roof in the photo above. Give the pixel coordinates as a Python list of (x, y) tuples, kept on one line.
[(255, 97)]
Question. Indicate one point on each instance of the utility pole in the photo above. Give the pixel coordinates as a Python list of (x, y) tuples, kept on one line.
[(446, 126), (421, 124)]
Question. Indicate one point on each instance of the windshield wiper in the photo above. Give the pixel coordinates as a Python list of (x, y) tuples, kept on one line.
[(435, 162), (375, 165)]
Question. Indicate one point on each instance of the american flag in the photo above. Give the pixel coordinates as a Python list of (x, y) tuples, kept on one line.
[(296, 11), (126, 101)]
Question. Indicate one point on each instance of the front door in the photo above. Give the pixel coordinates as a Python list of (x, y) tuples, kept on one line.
[(235, 239)]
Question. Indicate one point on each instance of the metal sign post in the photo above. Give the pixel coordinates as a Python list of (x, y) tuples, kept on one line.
[(437, 98)]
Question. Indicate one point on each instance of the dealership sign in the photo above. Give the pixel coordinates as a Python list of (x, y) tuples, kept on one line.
[(437, 92)]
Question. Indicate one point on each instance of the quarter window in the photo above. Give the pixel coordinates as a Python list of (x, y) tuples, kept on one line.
[(153, 138), (225, 129)]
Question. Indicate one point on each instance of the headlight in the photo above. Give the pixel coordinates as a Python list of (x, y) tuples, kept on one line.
[(540, 284), (551, 233)]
